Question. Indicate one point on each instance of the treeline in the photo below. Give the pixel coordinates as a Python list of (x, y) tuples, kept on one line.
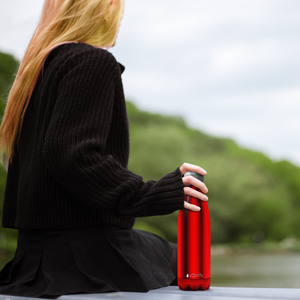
[(248, 192), (8, 69)]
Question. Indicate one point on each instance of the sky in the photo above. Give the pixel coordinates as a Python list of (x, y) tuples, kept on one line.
[(230, 68)]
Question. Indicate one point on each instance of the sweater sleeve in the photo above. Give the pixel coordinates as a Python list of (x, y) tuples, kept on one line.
[(74, 147)]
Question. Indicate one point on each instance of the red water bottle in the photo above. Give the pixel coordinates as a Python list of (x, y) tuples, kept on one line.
[(193, 244)]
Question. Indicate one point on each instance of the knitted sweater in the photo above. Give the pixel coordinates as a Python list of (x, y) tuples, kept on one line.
[(70, 164)]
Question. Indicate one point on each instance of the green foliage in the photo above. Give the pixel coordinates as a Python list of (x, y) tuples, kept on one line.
[(8, 68), (248, 192)]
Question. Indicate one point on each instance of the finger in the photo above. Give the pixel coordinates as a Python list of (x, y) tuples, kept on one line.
[(190, 180), (193, 193), (189, 167), (191, 206)]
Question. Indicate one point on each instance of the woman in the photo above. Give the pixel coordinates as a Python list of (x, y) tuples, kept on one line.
[(69, 192)]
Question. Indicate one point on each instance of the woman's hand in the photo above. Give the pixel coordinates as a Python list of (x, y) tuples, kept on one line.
[(190, 180)]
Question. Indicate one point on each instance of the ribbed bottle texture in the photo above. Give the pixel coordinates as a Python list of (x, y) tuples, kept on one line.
[(193, 242)]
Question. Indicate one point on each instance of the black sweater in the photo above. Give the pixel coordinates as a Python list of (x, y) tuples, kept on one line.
[(70, 164)]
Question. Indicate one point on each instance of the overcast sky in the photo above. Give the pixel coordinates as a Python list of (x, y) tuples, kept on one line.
[(229, 67)]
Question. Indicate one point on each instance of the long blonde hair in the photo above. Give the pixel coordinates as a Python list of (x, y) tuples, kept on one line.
[(95, 22)]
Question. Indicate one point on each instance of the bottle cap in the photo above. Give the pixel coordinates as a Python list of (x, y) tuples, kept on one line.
[(194, 174)]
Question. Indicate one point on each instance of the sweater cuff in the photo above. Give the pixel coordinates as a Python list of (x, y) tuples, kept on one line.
[(169, 195)]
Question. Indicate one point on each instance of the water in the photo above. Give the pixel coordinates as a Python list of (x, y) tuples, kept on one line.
[(249, 270), (256, 270)]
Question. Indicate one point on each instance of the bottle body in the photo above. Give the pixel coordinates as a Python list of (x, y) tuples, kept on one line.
[(194, 247)]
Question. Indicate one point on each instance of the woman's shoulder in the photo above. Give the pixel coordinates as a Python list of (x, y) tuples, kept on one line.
[(79, 60), (84, 52), (71, 55)]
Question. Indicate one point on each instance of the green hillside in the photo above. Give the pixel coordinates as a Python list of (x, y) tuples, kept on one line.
[(8, 69), (248, 192)]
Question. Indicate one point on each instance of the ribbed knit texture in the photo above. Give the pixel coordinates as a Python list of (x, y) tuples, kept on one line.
[(70, 165)]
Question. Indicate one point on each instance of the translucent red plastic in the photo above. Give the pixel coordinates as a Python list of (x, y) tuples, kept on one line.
[(193, 247)]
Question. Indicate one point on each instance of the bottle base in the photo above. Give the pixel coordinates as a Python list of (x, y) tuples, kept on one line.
[(193, 284)]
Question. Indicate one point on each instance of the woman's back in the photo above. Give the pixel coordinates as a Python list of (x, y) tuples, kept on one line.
[(76, 114)]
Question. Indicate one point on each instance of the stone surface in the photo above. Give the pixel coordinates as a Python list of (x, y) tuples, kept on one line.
[(173, 293)]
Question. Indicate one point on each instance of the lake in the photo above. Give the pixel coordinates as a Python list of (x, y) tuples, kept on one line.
[(256, 270)]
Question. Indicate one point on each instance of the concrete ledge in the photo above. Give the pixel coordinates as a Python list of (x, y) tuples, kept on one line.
[(173, 293)]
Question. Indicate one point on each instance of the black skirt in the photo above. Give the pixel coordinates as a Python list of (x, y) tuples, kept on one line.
[(94, 259)]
